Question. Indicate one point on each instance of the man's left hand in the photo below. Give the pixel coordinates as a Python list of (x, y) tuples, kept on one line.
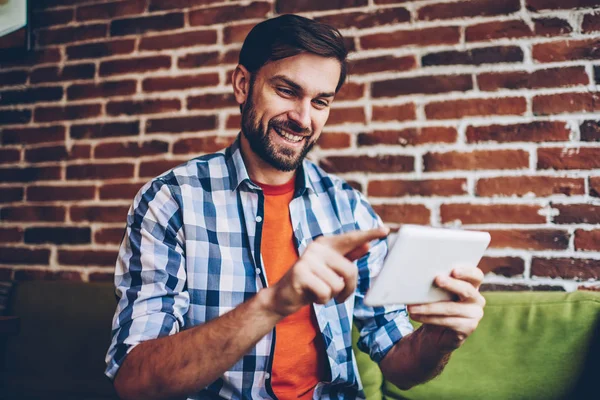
[(449, 323)]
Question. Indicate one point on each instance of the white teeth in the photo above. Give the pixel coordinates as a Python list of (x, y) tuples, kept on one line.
[(289, 136)]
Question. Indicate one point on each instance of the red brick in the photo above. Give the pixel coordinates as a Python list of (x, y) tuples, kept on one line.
[(400, 112), (6, 274), (566, 103), (80, 151), (9, 117), (544, 78), (11, 235), (33, 135), (24, 255), (537, 5), (422, 85), (182, 124), (101, 277), (479, 56), (568, 158), (471, 8), (148, 106), (227, 13), (99, 171), (11, 194), (491, 214), (551, 27), (476, 160), (530, 239), (408, 136), (101, 49), (540, 186), (145, 24), (31, 95), (334, 140), (48, 153), (65, 113), (125, 191), (109, 236), (45, 19), (211, 101), (579, 269), (538, 131), (587, 240), (110, 10), (382, 64), (182, 82), (60, 193), (71, 34), (505, 266), (10, 156), (590, 131), (591, 23), (178, 40), (361, 20), (150, 169), (456, 109), (67, 73), (423, 187), (30, 174), (33, 58), (233, 121), (236, 33), (13, 78), (497, 30), (595, 186), (101, 90), (134, 65), (418, 37), (354, 115), (104, 130), (567, 50), (99, 213), (364, 163), (33, 213), (197, 60), (403, 213), (350, 91), (577, 214), (207, 144), (130, 149), (46, 275), (158, 5), (85, 258), (294, 6)]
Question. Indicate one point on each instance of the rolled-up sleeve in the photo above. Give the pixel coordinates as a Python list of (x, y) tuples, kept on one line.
[(380, 327), (150, 276)]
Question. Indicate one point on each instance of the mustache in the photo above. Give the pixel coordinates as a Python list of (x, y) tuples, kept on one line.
[(290, 126)]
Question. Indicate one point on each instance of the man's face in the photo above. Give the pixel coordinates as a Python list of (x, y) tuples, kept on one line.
[(287, 106)]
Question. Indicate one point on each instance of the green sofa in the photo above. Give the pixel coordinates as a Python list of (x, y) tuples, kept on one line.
[(529, 345)]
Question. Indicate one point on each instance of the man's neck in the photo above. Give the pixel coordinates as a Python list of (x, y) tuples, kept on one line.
[(261, 171)]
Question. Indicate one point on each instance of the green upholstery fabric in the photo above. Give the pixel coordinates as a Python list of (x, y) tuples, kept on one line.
[(64, 334), (529, 345)]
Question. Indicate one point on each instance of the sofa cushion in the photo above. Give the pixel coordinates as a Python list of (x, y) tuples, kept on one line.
[(529, 345)]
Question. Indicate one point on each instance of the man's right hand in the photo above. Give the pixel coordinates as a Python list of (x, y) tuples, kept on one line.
[(324, 271)]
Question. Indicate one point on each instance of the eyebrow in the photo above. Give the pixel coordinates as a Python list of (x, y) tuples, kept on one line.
[(296, 86)]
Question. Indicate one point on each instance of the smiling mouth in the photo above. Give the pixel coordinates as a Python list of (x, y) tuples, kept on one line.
[(288, 136)]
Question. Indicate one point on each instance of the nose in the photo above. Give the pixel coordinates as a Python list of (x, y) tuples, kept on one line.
[(300, 114)]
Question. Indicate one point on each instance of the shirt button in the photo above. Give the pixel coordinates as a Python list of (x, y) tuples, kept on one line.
[(257, 271), (258, 218), (267, 375)]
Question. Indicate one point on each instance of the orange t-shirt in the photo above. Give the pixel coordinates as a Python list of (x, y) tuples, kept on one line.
[(300, 359)]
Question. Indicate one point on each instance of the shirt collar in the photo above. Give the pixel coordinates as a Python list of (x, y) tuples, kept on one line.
[(238, 174)]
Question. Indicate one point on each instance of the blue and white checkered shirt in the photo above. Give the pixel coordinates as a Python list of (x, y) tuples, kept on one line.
[(191, 253)]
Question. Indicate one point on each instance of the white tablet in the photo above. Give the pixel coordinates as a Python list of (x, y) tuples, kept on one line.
[(418, 255)]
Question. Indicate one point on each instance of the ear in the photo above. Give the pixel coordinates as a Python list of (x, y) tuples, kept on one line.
[(241, 83)]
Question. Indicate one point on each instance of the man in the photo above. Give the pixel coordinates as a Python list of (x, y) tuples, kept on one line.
[(236, 276)]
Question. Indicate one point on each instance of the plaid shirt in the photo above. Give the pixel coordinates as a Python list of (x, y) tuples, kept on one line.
[(191, 253)]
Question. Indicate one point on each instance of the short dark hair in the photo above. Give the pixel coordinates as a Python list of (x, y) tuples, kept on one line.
[(289, 35)]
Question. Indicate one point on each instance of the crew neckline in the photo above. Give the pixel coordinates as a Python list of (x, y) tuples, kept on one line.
[(274, 190)]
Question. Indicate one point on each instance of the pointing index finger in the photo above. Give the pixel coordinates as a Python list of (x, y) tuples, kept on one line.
[(349, 241)]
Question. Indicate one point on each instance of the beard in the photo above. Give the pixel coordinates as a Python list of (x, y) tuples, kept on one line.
[(279, 157)]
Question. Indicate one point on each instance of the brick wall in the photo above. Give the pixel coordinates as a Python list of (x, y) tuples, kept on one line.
[(482, 113)]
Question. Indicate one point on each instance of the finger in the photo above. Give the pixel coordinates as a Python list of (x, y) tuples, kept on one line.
[(457, 324), (345, 269), (347, 242), (358, 252), (447, 309), (463, 289), (317, 291), (327, 275), (472, 275)]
